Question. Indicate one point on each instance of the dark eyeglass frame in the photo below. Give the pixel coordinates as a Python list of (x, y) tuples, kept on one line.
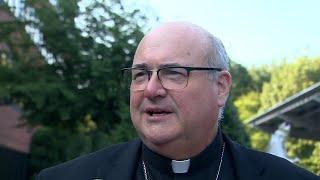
[(187, 68)]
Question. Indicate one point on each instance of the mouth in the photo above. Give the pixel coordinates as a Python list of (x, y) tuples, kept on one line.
[(157, 111)]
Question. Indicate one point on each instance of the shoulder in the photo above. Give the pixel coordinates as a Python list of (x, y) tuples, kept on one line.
[(89, 165), (270, 166)]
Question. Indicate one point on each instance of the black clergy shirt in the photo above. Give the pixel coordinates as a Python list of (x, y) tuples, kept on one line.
[(202, 166)]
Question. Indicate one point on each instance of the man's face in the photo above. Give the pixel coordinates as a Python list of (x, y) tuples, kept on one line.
[(164, 116)]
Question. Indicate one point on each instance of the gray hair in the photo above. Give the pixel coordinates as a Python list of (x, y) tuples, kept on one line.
[(216, 57), (216, 54)]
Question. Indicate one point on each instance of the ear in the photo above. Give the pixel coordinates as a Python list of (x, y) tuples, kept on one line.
[(224, 84)]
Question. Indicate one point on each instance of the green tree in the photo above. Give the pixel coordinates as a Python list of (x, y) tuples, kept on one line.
[(232, 125), (259, 75), (73, 89), (241, 80), (247, 89), (248, 104)]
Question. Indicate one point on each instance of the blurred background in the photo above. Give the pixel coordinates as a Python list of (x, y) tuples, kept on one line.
[(61, 94)]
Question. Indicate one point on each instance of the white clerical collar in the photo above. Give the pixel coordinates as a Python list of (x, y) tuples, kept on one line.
[(180, 166)]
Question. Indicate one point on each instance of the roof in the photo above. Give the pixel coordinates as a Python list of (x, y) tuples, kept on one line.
[(301, 111)]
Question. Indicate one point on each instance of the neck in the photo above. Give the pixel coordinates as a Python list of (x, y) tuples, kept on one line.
[(210, 156), (183, 149)]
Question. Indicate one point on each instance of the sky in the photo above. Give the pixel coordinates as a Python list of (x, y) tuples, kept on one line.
[(254, 32)]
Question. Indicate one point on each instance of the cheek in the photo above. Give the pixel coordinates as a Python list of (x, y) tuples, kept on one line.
[(196, 109), (134, 112), (135, 101), (186, 104)]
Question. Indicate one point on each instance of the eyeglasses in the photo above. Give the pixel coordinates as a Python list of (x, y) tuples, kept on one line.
[(173, 78)]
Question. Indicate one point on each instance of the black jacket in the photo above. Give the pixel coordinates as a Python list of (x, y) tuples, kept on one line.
[(119, 162)]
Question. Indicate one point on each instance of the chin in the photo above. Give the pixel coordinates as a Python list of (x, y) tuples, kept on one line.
[(159, 138)]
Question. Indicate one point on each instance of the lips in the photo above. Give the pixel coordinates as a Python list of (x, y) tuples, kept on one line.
[(157, 111)]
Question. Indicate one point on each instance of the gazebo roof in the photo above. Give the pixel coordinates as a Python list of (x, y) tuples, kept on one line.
[(301, 111)]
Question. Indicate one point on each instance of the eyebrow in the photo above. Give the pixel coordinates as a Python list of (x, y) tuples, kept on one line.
[(169, 65), (144, 65)]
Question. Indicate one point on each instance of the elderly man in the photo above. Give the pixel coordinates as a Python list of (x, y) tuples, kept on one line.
[(179, 83)]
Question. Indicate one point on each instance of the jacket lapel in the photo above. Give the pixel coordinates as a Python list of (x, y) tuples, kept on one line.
[(124, 165), (248, 166)]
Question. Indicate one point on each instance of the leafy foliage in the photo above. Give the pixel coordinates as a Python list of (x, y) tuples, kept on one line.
[(232, 126), (259, 76), (241, 82), (247, 101), (248, 105), (71, 89)]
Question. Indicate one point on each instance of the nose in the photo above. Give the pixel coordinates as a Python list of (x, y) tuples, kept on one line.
[(154, 88)]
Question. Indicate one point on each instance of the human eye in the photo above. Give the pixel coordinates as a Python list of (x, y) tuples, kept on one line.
[(139, 75), (174, 73)]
